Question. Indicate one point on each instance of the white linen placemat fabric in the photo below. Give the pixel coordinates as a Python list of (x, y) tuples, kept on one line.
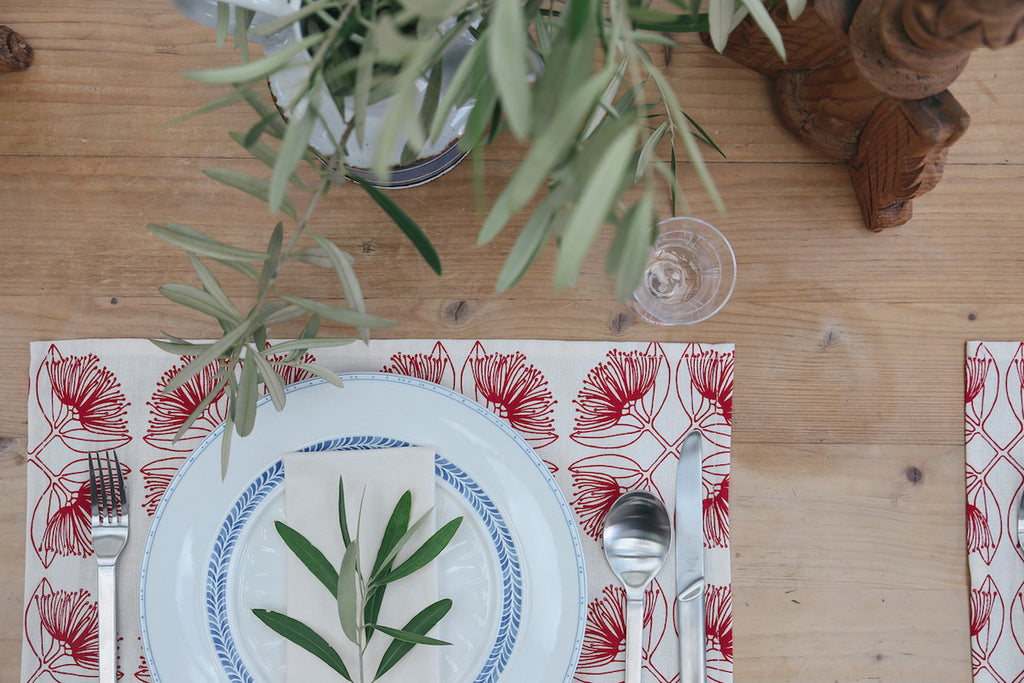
[(606, 417), (374, 481), (994, 432)]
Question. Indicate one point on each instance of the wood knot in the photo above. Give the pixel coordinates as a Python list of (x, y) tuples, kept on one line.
[(914, 475), (830, 339), (457, 312), (15, 53), (7, 447), (621, 321)]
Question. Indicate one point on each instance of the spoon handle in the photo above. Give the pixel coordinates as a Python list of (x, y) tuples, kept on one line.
[(634, 636)]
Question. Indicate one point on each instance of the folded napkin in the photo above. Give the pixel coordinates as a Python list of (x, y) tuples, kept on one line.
[(374, 481), (994, 431)]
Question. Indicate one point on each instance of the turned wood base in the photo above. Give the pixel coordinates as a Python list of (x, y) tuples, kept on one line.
[(857, 88)]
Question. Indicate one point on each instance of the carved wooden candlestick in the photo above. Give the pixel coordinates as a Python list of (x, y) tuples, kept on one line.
[(15, 53), (865, 82)]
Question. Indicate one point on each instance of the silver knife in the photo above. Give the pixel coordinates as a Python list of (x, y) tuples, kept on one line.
[(690, 560)]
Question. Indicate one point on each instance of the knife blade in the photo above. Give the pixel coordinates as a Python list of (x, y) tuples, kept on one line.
[(689, 609)]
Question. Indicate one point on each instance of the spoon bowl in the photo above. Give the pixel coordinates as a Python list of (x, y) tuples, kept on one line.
[(637, 539)]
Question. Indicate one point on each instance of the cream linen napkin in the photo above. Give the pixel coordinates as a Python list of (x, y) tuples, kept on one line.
[(374, 481)]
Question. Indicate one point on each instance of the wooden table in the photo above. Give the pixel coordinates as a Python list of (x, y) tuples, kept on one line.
[(848, 464)]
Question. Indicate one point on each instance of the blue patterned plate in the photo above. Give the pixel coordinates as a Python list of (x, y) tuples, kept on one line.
[(515, 570)]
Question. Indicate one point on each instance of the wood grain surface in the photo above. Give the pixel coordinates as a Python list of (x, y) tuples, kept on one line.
[(848, 463)]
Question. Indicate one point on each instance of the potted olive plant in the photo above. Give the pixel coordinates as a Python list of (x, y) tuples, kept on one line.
[(364, 88)]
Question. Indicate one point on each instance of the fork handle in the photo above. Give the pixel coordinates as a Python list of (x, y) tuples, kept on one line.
[(107, 617)]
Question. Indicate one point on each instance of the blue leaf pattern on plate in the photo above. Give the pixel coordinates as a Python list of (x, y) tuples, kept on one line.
[(266, 483)]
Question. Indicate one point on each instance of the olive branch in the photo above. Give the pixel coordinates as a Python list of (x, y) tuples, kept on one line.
[(604, 128), (358, 597)]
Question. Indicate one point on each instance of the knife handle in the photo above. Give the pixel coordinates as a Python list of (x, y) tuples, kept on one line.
[(692, 634)]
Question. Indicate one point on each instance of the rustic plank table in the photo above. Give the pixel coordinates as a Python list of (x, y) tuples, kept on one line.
[(848, 461)]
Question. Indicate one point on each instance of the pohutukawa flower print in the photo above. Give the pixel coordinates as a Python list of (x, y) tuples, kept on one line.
[(605, 636), (716, 515), (984, 517), (514, 389), (718, 624), (977, 371), (61, 630), (987, 619), (620, 398), (979, 535), (981, 391), (436, 367), (82, 403), (604, 640), (59, 525), (156, 477), (597, 482), (169, 410), (68, 527), (711, 375)]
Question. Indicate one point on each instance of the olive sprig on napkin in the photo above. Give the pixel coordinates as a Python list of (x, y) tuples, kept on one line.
[(359, 597)]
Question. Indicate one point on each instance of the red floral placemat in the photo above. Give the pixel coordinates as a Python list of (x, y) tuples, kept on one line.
[(606, 418), (994, 432)]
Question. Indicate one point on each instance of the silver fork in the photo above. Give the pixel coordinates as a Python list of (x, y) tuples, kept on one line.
[(109, 536)]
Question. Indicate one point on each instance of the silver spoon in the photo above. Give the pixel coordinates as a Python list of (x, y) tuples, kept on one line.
[(637, 538)]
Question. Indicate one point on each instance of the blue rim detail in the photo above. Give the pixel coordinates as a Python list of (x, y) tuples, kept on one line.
[(266, 483), (373, 377)]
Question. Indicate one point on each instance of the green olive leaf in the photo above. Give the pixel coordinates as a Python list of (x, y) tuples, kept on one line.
[(305, 637), (507, 57), (425, 554), (595, 201), (323, 373), (272, 381), (200, 300), (207, 356), (254, 71), (223, 20), (547, 150), (248, 397), (310, 556), (640, 233), (759, 13), (342, 264), (348, 591), (339, 314), (293, 149), (413, 633), (398, 524), (304, 344), (192, 240), (225, 442), (346, 537), (406, 224)]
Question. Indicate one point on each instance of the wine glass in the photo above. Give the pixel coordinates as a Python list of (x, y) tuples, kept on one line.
[(689, 276)]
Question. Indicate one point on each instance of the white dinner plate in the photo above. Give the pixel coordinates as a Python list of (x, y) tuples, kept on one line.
[(515, 569)]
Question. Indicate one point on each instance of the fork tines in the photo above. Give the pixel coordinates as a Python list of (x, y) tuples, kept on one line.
[(109, 500)]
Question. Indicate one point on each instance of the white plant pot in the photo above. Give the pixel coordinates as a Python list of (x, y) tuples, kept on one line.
[(438, 156)]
